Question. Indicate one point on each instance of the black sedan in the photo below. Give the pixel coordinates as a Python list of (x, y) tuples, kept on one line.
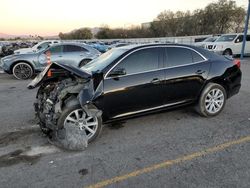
[(131, 81)]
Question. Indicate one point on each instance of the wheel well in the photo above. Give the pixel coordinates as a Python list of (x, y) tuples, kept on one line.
[(84, 60), (11, 68), (222, 83), (229, 49)]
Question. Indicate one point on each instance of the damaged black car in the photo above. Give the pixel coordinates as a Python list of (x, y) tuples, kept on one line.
[(130, 81)]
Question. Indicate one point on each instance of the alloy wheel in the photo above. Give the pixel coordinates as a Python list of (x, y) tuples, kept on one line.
[(214, 101), (80, 119), (22, 71)]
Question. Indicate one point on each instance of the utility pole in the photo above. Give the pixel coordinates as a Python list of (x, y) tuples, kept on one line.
[(245, 31)]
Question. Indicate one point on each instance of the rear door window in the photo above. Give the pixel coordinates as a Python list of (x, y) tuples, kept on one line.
[(177, 56), (73, 48), (196, 57), (248, 38)]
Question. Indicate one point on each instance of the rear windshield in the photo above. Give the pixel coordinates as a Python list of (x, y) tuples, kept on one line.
[(226, 38)]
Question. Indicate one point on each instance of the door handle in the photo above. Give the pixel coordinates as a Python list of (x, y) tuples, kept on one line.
[(60, 56), (200, 71), (155, 81)]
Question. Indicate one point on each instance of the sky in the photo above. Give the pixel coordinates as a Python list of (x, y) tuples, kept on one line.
[(49, 17)]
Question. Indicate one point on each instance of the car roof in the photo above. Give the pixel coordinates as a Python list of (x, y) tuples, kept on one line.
[(207, 54), (137, 46), (70, 43)]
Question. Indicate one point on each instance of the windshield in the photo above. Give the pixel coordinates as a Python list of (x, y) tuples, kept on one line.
[(210, 39), (103, 61), (41, 46), (226, 38)]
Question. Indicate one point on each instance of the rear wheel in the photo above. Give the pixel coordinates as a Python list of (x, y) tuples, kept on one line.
[(22, 71), (76, 116), (212, 100)]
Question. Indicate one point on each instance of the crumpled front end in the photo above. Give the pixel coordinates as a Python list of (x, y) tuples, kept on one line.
[(59, 91)]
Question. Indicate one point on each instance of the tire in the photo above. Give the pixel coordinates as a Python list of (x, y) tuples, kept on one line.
[(69, 112), (84, 62), (212, 100), (228, 52), (44, 129), (22, 71)]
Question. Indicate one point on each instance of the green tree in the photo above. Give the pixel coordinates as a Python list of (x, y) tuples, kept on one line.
[(84, 33)]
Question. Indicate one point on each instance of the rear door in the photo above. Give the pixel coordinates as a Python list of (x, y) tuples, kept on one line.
[(73, 54), (140, 88), (185, 74)]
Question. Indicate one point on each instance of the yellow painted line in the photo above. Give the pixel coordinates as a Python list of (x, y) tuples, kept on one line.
[(169, 163)]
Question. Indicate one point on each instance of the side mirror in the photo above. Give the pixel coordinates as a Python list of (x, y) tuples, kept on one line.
[(117, 72)]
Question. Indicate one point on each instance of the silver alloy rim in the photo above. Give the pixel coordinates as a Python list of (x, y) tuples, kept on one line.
[(214, 101), (80, 119), (22, 71)]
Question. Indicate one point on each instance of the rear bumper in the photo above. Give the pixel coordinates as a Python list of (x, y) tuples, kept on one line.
[(234, 83), (234, 91)]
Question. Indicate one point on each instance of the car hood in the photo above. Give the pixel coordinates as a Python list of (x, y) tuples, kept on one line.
[(24, 50), (21, 56), (40, 78)]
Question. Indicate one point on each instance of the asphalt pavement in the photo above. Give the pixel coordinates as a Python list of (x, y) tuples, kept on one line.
[(169, 149)]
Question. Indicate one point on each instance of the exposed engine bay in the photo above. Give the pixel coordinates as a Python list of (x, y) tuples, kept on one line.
[(58, 92), (52, 96)]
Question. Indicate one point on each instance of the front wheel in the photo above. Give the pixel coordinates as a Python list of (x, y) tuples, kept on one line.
[(75, 116), (22, 71), (227, 52), (212, 100)]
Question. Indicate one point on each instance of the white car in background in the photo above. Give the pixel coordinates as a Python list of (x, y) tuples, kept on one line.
[(208, 40), (39, 46), (229, 44)]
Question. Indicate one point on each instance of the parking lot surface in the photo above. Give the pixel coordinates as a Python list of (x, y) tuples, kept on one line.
[(169, 149)]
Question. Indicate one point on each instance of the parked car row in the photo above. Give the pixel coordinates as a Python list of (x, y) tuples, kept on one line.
[(8, 48), (25, 65)]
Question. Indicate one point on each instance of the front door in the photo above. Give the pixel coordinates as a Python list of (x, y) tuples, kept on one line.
[(139, 89)]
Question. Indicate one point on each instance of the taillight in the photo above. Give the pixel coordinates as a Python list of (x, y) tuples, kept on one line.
[(237, 62)]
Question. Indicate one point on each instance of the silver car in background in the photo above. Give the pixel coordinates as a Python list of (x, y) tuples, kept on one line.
[(24, 66)]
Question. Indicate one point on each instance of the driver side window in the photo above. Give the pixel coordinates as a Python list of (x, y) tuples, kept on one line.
[(239, 39), (140, 61)]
